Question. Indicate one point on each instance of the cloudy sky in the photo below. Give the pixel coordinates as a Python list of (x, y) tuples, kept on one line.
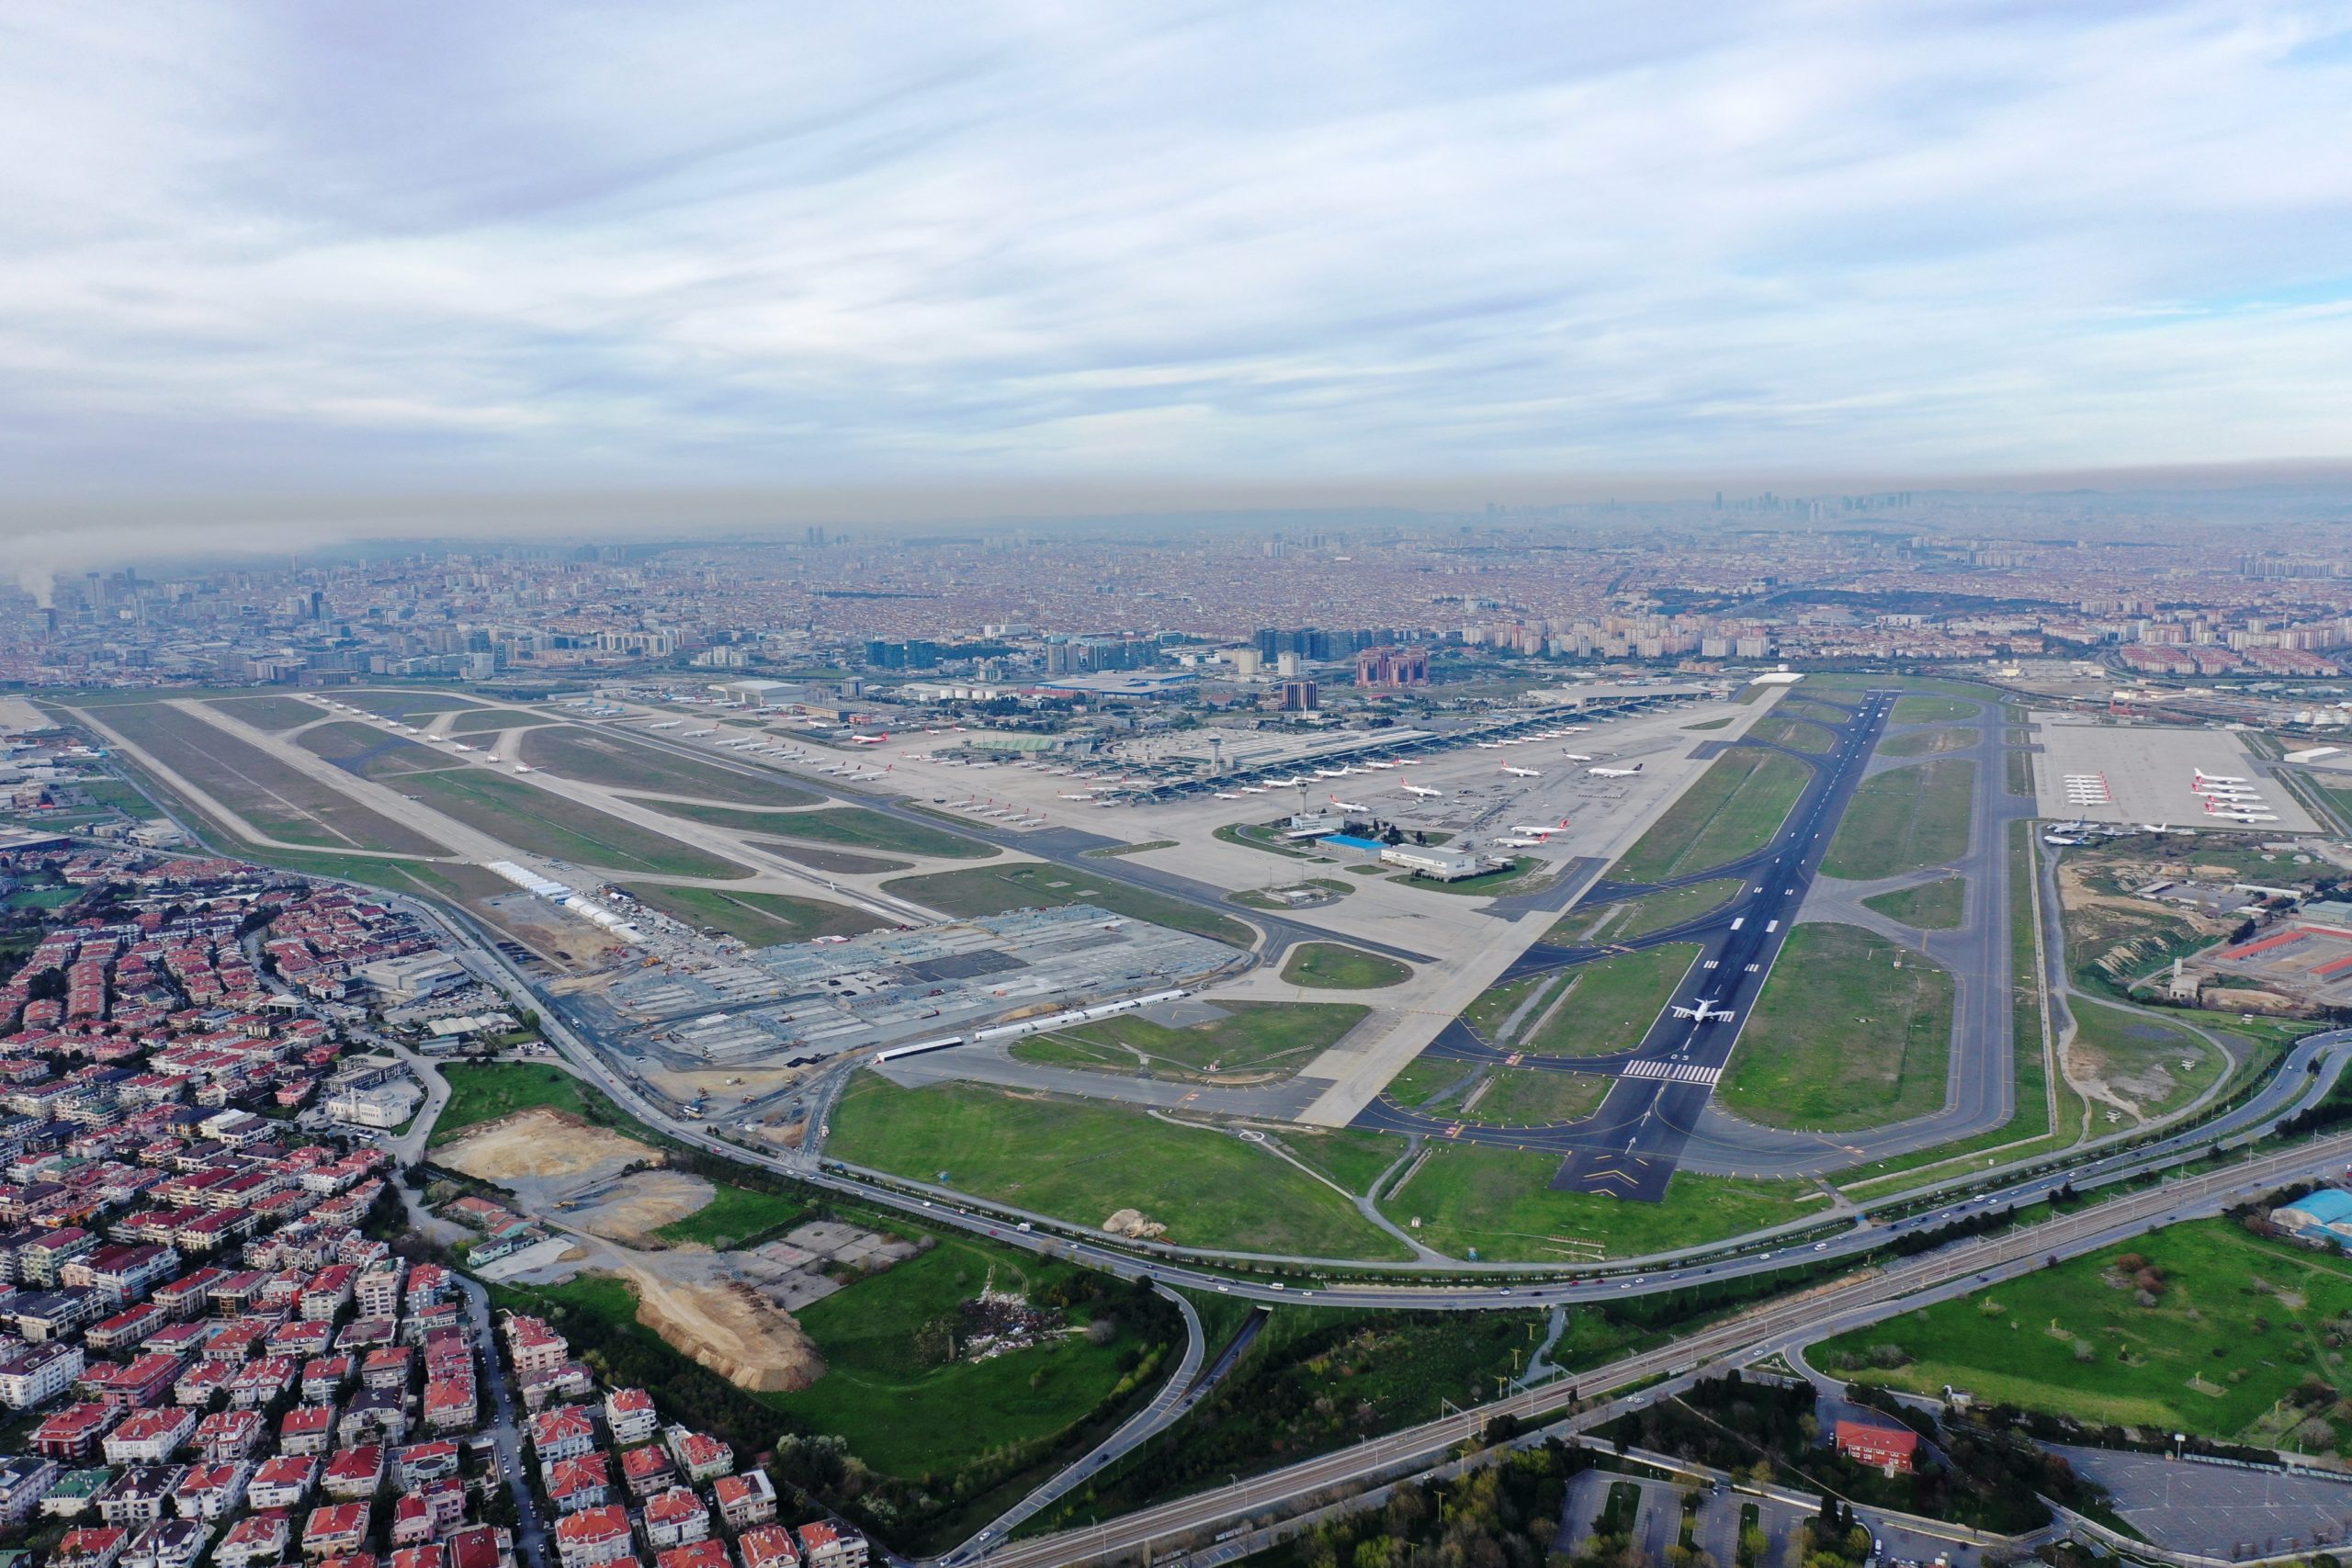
[(373, 250)]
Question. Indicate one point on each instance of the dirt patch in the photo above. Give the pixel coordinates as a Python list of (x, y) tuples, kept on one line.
[(539, 1146), (632, 1207), (727, 1327), (1136, 1225)]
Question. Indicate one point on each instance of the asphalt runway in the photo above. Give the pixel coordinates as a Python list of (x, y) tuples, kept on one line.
[(1631, 1146)]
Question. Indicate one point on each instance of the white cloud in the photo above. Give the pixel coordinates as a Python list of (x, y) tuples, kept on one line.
[(433, 245)]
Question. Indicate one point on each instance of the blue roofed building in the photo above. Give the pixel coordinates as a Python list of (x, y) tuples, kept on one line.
[(2322, 1218)]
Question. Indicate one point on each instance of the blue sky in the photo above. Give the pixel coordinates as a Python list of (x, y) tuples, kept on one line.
[(394, 249)]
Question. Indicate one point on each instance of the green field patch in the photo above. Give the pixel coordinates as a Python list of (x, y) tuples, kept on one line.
[(1927, 742), (1254, 1042), (1498, 1202), (2199, 1327), (888, 1391), (407, 707), (1421, 1080), (735, 1216), (758, 920), (1841, 1038), (839, 861), (1083, 1161), (1113, 851), (603, 757), (371, 754), (1334, 966), (1531, 1097), (1906, 818), (1351, 1158), (1932, 710), (486, 1091), (490, 720), (272, 796), (1796, 733), (539, 822), (1731, 809), (276, 714), (2150, 1066), (1935, 905), (1608, 1004), (2019, 768), (989, 890), (1257, 836), (1820, 713), (849, 827)]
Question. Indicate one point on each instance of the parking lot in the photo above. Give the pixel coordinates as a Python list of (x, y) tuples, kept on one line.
[(2095, 773)]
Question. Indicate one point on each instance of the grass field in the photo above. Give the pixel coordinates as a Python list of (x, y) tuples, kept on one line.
[(1932, 710), (276, 714), (2019, 765), (1796, 733), (1937, 905), (1353, 1160), (1820, 713), (1841, 1038), (540, 823), (603, 757), (2139, 1057), (760, 920), (1333, 966), (1081, 1161), (275, 797), (1906, 818), (2237, 1326), (1254, 1040), (1423, 1078), (1927, 742), (484, 1091), (371, 754), (1731, 809), (407, 707), (908, 1418), (490, 720), (1640, 917), (1611, 1004), (989, 890), (733, 1217), (1331, 888), (833, 859), (849, 827), (1498, 1202), (1141, 847), (1530, 1097)]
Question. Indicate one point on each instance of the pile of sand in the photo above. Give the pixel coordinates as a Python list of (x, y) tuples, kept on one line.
[(539, 1143), (727, 1327), (641, 1203), (1134, 1224)]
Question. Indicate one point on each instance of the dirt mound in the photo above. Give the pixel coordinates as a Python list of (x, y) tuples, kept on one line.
[(539, 1145), (728, 1328), (1134, 1224)]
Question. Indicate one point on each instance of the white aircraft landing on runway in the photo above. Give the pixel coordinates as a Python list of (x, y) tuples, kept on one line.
[(1522, 773), (1703, 1012), (1424, 791)]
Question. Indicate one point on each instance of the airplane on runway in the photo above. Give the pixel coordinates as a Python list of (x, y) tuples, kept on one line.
[(1576, 756), (1522, 773), (2163, 827), (1424, 791), (1077, 795), (522, 768), (1539, 833), (869, 740), (1614, 773), (1227, 795), (1349, 805), (1253, 789), (2216, 778), (1703, 1012), (691, 733)]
